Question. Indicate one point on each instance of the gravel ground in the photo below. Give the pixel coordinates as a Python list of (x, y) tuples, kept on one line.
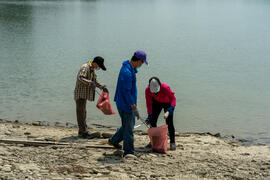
[(197, 156)]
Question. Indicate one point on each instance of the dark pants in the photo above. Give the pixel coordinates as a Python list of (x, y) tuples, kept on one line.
[(81, 115), (125, 132), (156, 109)]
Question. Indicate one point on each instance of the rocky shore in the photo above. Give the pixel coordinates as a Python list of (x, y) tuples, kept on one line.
[(50, 152)]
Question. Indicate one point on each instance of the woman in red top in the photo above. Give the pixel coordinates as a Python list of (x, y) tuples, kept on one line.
[(159, 96)]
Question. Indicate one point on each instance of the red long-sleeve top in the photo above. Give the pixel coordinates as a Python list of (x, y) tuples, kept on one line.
[(165, 95)]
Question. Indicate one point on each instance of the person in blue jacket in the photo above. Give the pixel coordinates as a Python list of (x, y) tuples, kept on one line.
[(126, 102)]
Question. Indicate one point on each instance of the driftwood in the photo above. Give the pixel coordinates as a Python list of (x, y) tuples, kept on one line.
[(50, 143)]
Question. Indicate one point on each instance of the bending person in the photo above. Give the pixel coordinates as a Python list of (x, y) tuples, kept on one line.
[(159, 96)]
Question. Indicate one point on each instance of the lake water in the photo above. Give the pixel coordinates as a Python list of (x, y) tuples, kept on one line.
[(214, 54)]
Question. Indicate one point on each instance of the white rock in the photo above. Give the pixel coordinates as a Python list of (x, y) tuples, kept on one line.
[(6, 168), (28, 167), (130, 156)]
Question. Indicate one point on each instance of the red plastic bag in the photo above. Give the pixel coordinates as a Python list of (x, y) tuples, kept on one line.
[(104, 103), (159, 139)]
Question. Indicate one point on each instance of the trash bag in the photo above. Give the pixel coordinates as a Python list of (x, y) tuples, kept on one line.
[(158, 138), (104, 103)]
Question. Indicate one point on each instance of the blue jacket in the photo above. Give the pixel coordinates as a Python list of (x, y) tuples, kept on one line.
[(126, 89)]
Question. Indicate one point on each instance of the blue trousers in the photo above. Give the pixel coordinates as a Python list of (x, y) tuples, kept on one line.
[(125, 132)]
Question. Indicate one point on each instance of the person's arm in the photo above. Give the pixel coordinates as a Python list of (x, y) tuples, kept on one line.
[(171, 95), (149, 101), (126, 88), (82, 76), (98, 84)]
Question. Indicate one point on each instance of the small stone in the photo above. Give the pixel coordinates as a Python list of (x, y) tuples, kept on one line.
[(36, 123), (8, 133), (57, 178), (27, 133), (31, 137), (154, 175), (132, 176), (105, 172), (49, 139), (130, 156), (15, 126), (40, 139), (144, 133), (109, 168), (118, 153), (152, 155), (95, 171), (96, 134), (6, 168), (217, 135), (106, 135)]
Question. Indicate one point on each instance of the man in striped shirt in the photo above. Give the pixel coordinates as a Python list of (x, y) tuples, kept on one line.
[(85, 90)]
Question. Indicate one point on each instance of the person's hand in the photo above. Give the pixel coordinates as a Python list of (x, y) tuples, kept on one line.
[(92, 85), (135, 112), (171, 110), (105, 90), (148, 120)]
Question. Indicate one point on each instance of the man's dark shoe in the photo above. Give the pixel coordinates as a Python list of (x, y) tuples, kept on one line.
[(85, 135), (116, 146)]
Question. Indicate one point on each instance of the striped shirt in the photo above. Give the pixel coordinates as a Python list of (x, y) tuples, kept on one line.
[(83, 88)]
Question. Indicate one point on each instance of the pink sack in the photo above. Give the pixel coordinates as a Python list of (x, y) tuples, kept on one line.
[(104, 103), (159, 139)]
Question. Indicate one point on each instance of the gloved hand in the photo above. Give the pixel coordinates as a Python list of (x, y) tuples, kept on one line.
[(171, 109), (135, 112), (92, 85), (148, 120), (105, 90)]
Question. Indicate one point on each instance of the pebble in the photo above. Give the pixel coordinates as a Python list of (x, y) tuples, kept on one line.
[(130, 156), (15, 126), (96, 134), (50, 139), (27, 133), (106, 135), (152, 155), (40, 139), (57, 178), (36, 123), (118, 153), (31, 137), (8, 133), (6, 168)]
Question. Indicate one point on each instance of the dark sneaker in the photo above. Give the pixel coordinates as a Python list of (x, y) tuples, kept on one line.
[(116, 146), (148, 145), (85, 135), (172, 147)]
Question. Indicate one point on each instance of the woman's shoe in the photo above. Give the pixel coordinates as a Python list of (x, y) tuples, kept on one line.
[(172, 147)]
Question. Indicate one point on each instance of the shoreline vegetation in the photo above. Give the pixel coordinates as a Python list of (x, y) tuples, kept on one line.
[(38, 151)]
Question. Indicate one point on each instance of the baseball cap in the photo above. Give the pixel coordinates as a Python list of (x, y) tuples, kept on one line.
[(141, 55), (100, 61)]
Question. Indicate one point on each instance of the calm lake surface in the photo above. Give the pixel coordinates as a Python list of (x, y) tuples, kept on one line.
[(214, 54)]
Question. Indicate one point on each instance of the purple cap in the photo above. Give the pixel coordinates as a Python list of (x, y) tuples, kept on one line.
[(141, 55)]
